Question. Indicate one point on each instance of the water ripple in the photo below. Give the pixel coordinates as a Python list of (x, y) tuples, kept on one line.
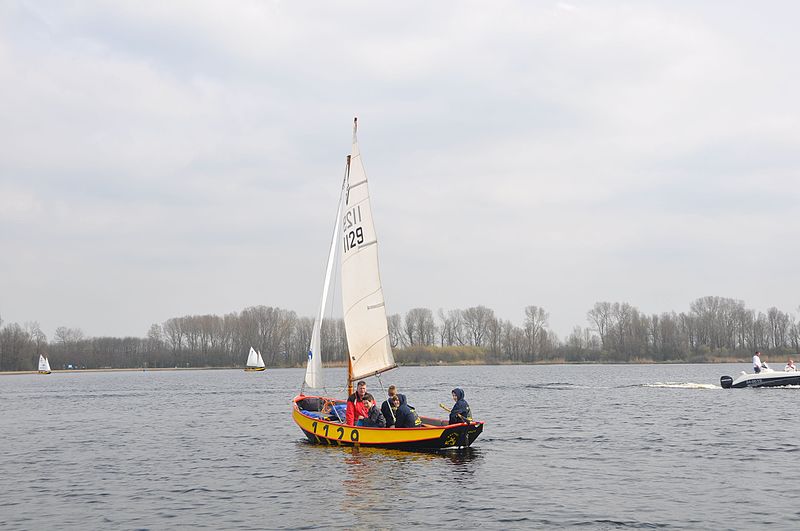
[(218, 450)]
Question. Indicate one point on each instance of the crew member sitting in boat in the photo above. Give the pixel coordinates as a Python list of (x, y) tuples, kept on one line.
[(374, 418), (386, 407), (355, 407), (757, 363), (460, 411), (405, 416), (790, 366)]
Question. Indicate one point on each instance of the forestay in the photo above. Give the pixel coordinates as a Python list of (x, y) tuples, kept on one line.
[(314, 367)]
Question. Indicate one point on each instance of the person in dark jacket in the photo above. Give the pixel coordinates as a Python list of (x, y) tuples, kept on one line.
[(374, 416), (405, 415), (386, 408), (460, 411)]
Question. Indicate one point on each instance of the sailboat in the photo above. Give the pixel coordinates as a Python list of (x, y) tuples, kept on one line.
[(44, 365), (321, 418), (254, 361)]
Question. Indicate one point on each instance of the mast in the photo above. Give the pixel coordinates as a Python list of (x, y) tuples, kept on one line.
[(347, 192), (349, 376)]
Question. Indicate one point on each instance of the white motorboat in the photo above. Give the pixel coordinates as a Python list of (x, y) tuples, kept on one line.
[(765, 378)]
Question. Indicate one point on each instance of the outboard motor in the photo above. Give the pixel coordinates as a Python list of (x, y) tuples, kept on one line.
[(726, 382)]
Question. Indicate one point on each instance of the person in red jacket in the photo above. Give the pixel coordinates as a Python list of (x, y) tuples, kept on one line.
[(355, 408)]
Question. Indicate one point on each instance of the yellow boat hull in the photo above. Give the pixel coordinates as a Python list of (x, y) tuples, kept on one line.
[(254, 369), (435, 434)]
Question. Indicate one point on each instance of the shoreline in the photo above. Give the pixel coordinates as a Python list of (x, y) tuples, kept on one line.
[(335, 366), (111, 369)]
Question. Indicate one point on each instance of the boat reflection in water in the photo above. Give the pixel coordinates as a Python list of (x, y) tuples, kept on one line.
[(369, 471)]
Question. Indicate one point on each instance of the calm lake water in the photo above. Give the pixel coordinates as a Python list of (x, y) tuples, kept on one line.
[(565, 446)]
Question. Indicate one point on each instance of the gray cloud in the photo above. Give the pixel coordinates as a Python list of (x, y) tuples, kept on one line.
[(161, 160)]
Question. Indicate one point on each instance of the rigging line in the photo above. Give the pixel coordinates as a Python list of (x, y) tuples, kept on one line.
[(373, 373), (391, 412), (338, 415), (336, 273), (331, 324), (334, 248), (346, 183)]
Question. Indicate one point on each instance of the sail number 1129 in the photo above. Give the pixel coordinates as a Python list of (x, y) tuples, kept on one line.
[(353, 234), (353, 238)]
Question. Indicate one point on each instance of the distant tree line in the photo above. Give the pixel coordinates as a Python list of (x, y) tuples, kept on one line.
[(714, 328)]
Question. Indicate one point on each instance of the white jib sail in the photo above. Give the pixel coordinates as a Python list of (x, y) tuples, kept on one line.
[(44, 365), (260, 361), (252, 358), (314, 368), (362, 295)]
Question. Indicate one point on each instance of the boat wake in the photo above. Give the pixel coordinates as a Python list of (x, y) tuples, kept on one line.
[(560, 386), (680, 385)]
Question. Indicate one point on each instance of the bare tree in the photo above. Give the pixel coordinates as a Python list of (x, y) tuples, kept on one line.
[(38, 337), (68, 335), (476, 322), (778, 327), (535, 330), (395, 324), (451, 332), (419, 327), (600, 317)]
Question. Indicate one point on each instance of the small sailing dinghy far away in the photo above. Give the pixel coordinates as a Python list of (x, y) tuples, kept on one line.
[(254, 361), (321, 417), (44, 365)]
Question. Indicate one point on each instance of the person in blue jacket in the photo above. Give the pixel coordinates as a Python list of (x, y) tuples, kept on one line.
[(386, 408), (404, 415), (460, 411)]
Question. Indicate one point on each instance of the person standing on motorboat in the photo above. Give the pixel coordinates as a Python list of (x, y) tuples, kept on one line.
[(790, 366), (757, 363)]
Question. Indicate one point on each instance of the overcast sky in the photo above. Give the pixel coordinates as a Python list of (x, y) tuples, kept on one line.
[(161, 159)]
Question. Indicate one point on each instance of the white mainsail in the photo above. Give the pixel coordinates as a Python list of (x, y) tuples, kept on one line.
[(44, 365), (362, 295), (314, 368), (252, 358), (260, 361)]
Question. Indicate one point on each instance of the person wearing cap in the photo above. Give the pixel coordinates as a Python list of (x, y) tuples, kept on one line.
[(790, 366), (757, 363)]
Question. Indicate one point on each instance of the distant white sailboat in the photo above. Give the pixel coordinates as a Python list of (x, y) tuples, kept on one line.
[(254, 361), (44, 365)]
